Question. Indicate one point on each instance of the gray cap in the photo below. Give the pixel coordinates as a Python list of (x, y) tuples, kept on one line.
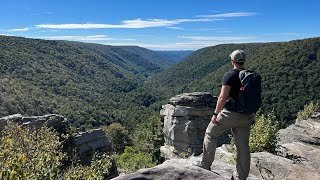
[(238, 55)]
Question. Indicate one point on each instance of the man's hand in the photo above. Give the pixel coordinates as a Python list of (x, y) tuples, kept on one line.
[(214, 119)]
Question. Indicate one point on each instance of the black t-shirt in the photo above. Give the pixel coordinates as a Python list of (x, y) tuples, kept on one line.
[(231, 78)]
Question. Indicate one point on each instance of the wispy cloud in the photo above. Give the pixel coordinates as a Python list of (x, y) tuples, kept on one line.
[(146, 23), (19, 29), (282, 34), (228, 15), (93, 38), (133, 24)]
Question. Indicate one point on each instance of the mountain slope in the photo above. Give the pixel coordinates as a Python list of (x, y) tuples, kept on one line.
[(290, 71), (87, 85), (134, 59)]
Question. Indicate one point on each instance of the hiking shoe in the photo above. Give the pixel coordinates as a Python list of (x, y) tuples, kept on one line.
[(199, 164)]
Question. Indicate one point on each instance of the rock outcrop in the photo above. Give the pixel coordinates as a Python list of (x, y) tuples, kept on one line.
[(300, 143), (90, 143), (186, 118), (86, 144), (174, 169), (269, 166), (57, 122)]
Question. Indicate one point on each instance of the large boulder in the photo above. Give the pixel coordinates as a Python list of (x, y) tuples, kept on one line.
[(300, 143), (174, 169), (184, 169), (269, 166), (194, 99), (301, 154), (305, 131)]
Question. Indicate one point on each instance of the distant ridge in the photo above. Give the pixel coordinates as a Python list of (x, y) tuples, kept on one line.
[(176, 56)]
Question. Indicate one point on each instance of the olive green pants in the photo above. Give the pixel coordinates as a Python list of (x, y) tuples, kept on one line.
[(239, 124)]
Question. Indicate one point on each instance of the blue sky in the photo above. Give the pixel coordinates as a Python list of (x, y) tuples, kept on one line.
[(162, 24)]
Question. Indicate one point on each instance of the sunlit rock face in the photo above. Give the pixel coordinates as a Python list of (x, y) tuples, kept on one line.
[(186, 117)]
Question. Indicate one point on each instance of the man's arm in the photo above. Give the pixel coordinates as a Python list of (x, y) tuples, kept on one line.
[(222, 99)]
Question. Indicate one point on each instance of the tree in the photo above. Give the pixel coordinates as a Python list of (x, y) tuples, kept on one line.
[(119, 136), (148, 137)]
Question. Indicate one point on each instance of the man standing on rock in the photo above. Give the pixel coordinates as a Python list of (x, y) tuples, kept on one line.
[(227, 117)]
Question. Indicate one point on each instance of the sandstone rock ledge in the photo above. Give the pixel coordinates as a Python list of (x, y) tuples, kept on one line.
[(173, 169), (186, 117)]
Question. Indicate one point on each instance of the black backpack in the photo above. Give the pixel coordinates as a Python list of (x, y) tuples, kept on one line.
[(249, 100)]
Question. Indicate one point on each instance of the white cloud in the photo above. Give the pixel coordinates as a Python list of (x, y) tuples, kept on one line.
[(139, 23), (73, 26), (19, 29), (228, 15), (130, 24), (92, 38), (146, 23)]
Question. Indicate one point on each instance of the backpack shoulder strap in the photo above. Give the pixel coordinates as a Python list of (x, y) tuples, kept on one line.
[(241, 72)]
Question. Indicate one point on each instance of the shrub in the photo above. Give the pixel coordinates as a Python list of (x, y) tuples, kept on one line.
[(132, 160), (27, 154), (307, 111), (263, 134), (147, 140), (100, 168)]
